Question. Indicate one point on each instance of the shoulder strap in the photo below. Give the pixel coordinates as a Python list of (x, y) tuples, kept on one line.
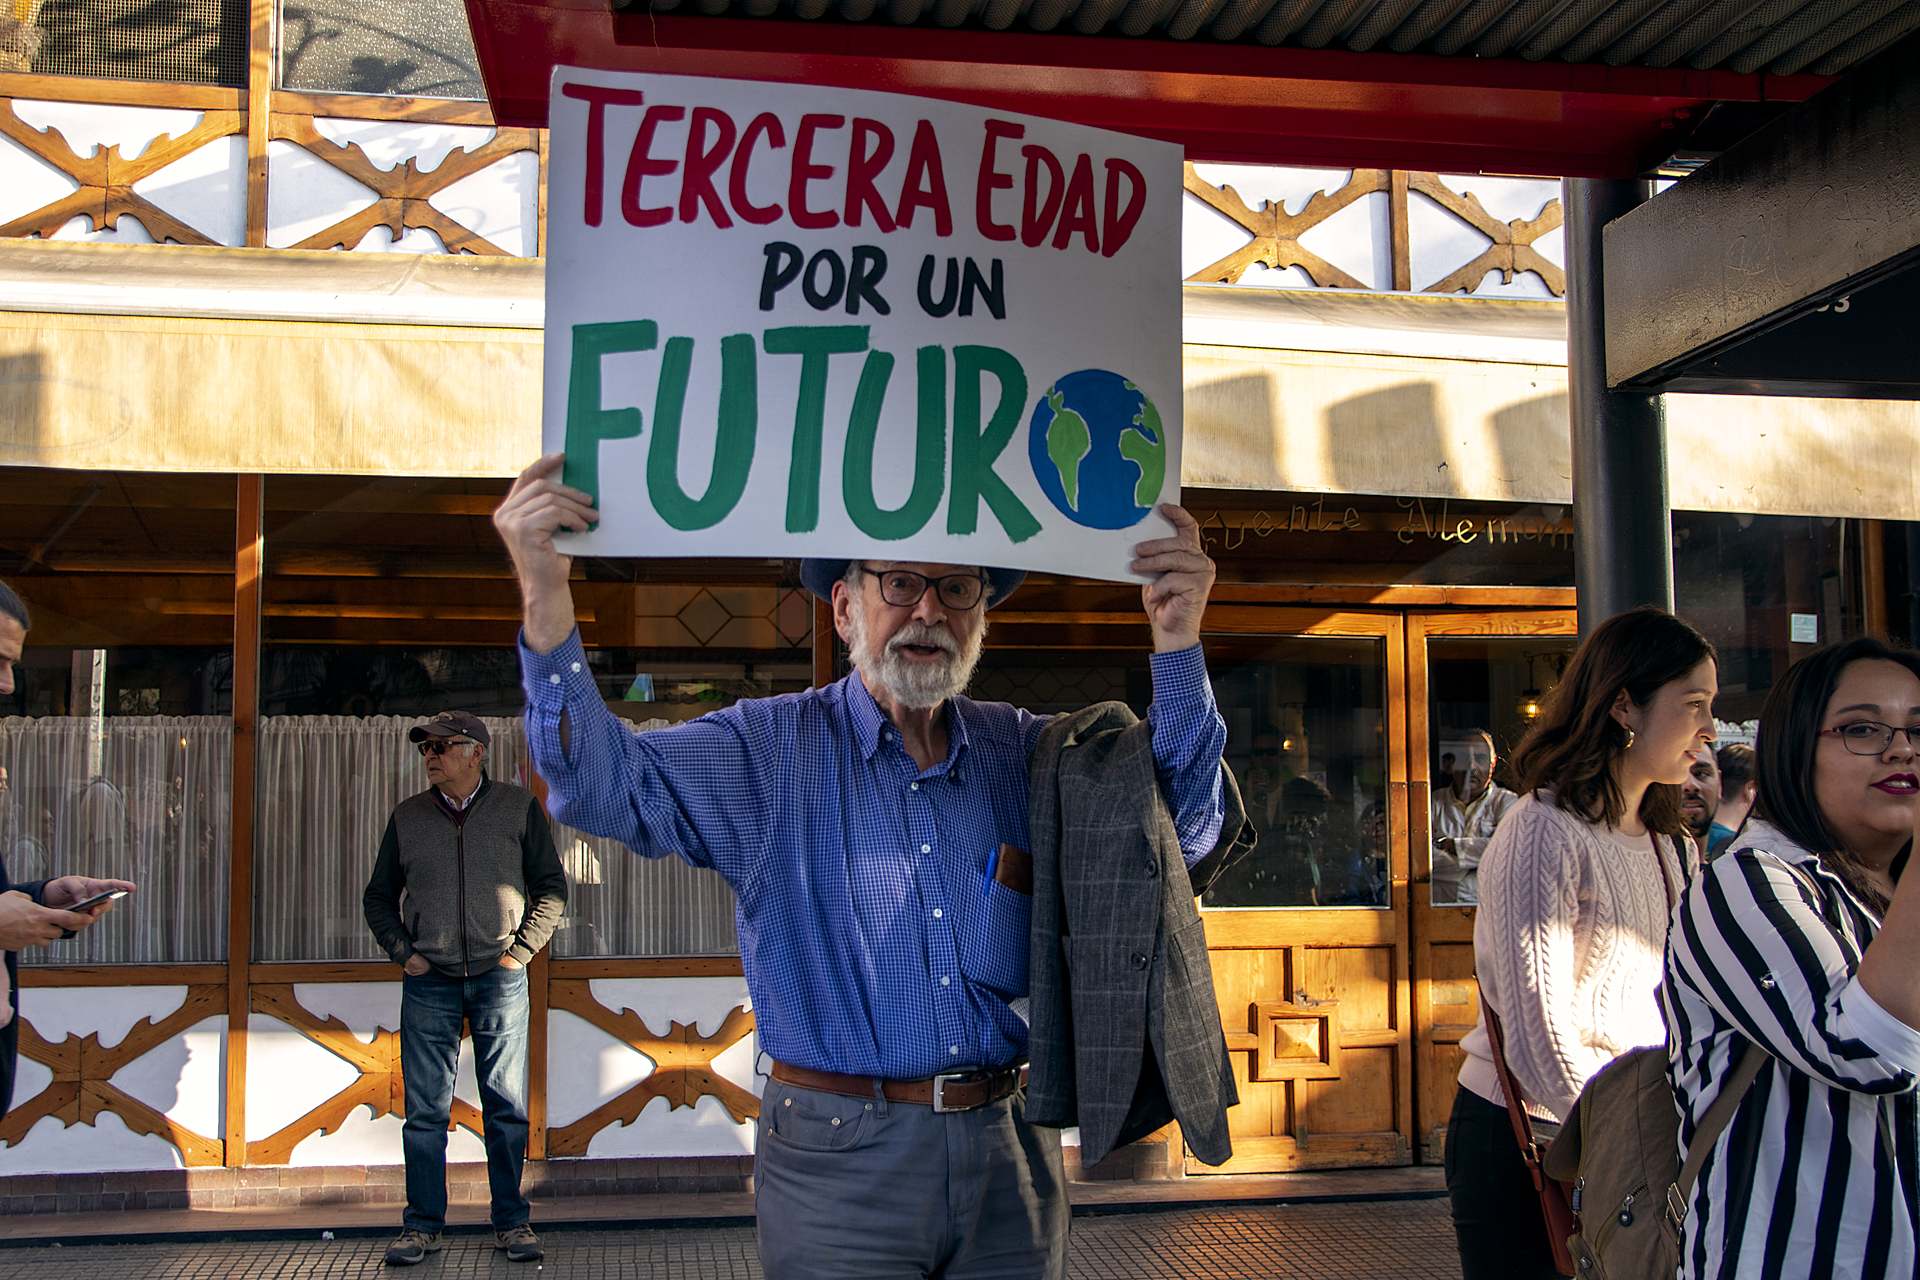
[(1522, 1127), (1718, 1116)]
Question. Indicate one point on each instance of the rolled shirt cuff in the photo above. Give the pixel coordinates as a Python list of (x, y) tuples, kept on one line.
[(554, 679), (1874, 1027)]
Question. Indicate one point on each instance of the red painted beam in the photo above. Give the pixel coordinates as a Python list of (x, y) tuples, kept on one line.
[(1220, 101)]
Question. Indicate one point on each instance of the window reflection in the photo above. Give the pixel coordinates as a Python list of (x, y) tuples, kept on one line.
[(116, 743), (1306, 740), (1485, 694)]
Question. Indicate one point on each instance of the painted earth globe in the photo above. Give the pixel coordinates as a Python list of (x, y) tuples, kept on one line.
[(1098, 449)]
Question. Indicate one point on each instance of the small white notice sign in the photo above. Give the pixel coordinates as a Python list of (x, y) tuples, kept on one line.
[(1805, 628), (785, 320)]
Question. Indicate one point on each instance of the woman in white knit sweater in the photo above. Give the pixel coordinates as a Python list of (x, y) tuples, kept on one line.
[(1575, 891)]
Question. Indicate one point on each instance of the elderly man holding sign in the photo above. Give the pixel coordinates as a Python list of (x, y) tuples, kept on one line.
[(871, 831)]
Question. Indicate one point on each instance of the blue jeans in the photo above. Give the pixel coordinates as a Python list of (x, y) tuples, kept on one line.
[(494, 1005)]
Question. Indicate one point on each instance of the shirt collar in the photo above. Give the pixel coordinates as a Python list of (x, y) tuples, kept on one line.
[(869, 721), (1767, 838), (459, 806)]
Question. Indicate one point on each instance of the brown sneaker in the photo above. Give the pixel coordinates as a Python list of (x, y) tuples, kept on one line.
[(519, 1242), (412, 1246)]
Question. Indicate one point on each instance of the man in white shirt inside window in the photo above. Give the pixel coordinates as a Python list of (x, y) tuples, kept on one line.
[(1465, 815)]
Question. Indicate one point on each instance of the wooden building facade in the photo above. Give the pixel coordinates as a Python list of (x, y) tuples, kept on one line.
[(245, 480)]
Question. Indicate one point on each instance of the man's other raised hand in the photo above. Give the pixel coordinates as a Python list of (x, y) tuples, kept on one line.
[(536, 508), (1176, 600)]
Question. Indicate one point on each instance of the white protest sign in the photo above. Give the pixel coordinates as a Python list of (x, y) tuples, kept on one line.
[(785, 320)]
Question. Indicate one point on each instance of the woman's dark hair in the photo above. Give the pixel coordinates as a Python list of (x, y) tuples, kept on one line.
[(1784, 751), (12, 606), (1576, 742)]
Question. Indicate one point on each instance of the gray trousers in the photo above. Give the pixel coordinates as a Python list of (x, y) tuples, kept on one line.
[(867, 1189)]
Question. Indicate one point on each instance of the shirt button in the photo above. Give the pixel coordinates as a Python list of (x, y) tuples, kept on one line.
[(913, 786), (576, 668), (945, 981), (926, 848), (554, 678), (936, 913), (953, 1048)]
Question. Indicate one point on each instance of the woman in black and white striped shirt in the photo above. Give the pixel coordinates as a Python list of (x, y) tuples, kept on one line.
[(1800, 938)]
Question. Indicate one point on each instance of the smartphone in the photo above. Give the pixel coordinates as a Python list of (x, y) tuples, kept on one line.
[(96, 900)]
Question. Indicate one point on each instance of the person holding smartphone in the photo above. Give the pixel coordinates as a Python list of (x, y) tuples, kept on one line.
[(42, 911)]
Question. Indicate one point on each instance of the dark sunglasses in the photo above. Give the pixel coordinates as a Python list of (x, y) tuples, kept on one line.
[(440, 746)]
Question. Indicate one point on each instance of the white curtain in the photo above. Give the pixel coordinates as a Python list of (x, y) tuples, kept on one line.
[(620, 904), (157, 812), (327, 785)]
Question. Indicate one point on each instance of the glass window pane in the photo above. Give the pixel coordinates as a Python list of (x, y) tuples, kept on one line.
[(390, 599), (420, 48), (1307, 741), (1484, 696), (171, 41), (116, 743), (1767, 590)]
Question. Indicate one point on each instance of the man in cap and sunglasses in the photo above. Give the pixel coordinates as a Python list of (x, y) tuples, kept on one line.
[(873, 834), (466, 890)]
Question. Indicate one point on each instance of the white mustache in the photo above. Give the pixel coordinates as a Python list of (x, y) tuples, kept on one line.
[(922, 634)]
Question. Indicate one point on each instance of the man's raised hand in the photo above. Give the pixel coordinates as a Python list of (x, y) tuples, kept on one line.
[(1176, 600), (535, 509)]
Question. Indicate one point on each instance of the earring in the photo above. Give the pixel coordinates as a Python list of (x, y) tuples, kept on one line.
[(1629, 729)]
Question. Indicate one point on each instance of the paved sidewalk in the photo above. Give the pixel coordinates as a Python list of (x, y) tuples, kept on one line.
[(1374, 1240)]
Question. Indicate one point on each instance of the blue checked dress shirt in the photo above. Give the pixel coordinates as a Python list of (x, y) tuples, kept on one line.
[(873, 936)]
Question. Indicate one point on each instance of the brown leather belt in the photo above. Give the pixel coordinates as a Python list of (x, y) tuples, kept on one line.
[(949, 1091)]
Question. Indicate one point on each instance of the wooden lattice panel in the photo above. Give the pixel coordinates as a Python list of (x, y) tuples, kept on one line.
[(404, 192), (107, 179), (682, 1074), (379, 1088), (83, 1072), (402, 195), (1277, 233)]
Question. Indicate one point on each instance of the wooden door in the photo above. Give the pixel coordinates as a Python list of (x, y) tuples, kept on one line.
[(1308, 935), (1464, 672)]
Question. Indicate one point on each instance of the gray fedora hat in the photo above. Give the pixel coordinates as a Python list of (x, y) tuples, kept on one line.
[(818, 576)]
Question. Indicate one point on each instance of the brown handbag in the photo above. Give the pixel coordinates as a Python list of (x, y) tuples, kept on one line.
[(1555, 1205)]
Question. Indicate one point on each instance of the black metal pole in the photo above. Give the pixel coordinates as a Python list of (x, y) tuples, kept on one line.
[(1623, 528)]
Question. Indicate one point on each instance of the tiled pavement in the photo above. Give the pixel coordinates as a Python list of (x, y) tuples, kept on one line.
[(1368, 1240)]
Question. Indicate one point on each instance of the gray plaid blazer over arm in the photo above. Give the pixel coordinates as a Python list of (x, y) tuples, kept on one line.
[(1118, 955)]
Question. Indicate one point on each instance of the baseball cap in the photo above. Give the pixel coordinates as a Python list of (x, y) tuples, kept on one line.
[(451, 724)]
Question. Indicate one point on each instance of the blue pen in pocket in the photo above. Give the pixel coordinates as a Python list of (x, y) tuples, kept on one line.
[(993, 864)]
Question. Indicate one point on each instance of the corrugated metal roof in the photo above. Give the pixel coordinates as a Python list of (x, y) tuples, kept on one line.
[(1783, 37)]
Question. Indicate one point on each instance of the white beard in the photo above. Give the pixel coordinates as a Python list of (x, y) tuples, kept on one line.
[(921, 686)]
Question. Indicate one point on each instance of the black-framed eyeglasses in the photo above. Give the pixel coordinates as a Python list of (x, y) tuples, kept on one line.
[(903, 588), (440, 746), (1870, 737)]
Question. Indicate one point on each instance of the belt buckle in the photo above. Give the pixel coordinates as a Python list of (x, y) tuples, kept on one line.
[(940, 1081)]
